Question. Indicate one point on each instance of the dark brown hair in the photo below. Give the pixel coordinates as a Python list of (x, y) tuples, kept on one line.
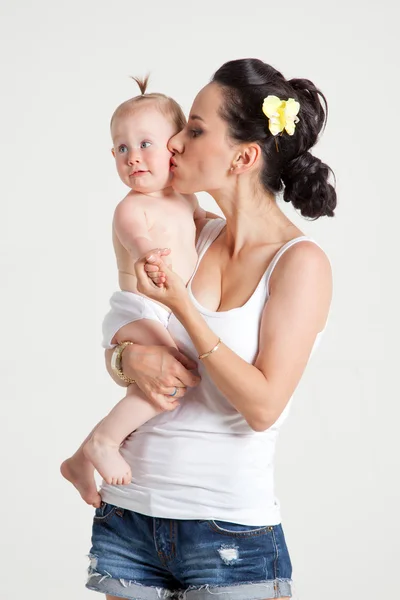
[(288, 164)]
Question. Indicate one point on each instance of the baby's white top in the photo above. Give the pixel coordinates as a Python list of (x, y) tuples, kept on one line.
[(203, 461)]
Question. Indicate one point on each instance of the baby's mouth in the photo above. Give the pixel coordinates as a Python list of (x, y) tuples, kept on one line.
[(136, 173)]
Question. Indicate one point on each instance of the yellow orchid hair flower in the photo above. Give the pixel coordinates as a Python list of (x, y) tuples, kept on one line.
[(282, 114)]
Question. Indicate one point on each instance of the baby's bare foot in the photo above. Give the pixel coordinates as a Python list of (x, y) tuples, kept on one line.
[(80, 472), (107, 460)]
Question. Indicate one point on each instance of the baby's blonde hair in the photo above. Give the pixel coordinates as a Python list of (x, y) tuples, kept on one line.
[(167, 106)]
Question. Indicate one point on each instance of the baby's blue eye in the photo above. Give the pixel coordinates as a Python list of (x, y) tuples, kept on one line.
[(122, 149), (145, 144)]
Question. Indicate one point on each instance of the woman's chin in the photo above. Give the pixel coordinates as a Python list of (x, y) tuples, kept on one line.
[(181, 188)]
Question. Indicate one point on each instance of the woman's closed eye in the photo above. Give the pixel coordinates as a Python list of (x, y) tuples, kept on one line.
[(195, 132)]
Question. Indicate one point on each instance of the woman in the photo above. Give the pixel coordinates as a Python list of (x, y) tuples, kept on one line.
[(200, 516)]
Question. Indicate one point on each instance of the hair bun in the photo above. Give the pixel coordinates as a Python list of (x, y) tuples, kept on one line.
[(307, 186), (245, 84)]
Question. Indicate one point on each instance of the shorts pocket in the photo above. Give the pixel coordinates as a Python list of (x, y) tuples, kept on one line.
[(237, 530), (104, 512)]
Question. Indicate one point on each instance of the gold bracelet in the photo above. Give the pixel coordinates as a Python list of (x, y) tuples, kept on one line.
[(117, 363), (211, 351)]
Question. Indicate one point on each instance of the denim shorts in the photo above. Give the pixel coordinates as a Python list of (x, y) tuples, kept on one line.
[(146, 558)]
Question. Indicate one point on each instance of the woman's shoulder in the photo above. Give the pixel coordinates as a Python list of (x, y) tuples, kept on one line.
[(299, 255), (302, 267), (300, 279)]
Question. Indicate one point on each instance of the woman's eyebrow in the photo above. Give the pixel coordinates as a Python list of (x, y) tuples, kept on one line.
[(194, 117)]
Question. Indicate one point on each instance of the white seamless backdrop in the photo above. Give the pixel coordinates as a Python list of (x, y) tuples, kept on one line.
[(65, 67)]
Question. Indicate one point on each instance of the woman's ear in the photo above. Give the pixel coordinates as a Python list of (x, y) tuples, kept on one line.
[(248, 156)]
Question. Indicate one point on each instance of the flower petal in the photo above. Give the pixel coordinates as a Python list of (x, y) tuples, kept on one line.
[(292, 107), (290, 127), (275, 128), (271, 105)]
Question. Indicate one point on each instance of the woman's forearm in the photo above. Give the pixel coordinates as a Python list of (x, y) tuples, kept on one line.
[(244, 386)]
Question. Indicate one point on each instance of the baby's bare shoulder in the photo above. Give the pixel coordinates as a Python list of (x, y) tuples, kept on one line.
[(130, 206), (132, 200), (129, 213)]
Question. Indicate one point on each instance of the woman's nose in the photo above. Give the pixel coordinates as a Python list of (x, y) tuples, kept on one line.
[(175, 144)]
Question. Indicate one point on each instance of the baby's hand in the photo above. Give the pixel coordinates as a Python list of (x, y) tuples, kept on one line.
[(152, 269), (172, 292), (167, 260)]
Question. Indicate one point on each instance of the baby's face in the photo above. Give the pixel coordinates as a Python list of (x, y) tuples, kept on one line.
[(140, 149)]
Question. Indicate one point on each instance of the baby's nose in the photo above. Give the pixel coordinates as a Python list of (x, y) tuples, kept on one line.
[(134, 156)]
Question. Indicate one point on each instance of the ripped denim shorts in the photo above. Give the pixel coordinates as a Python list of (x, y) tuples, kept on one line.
[(146, 558)]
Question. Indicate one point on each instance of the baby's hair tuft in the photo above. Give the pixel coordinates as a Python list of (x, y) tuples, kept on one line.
[(142, 83), (167, 106)]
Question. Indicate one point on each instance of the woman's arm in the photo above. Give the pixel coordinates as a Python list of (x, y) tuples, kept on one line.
[(297, 309), (155, 368)]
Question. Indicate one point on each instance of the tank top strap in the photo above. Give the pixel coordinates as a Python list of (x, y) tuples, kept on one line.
[(281, 252), (208, 234)]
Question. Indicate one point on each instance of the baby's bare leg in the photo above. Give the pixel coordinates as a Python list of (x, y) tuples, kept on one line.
[(80, 472), (102, 449), (78, 469)]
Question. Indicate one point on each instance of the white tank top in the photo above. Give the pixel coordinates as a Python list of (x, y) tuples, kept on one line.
[(203, 461)]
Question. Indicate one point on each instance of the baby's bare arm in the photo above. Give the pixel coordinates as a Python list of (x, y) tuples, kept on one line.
[(131, 227)]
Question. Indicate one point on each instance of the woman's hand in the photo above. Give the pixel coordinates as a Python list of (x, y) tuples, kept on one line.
[(158, 282), (158, 370)]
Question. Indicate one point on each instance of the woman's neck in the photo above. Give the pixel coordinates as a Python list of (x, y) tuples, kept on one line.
[(252, 219)]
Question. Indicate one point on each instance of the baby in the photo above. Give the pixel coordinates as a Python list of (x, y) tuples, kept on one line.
[(152, 215)]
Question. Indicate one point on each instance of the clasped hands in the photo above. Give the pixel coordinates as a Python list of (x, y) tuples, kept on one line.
[(157, 280)]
